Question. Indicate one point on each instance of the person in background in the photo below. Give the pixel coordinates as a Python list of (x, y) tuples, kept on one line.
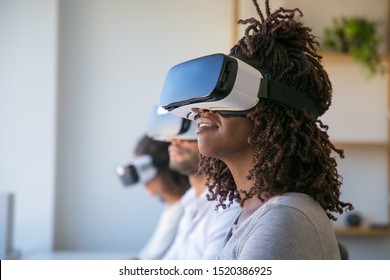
[(150, 166), (203, 227), (275, 157)]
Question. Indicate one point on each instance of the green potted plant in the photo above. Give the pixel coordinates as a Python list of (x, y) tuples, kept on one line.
[(356, 36)]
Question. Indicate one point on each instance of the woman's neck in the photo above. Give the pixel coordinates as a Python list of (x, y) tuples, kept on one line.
[(240, 172), (170, 199)]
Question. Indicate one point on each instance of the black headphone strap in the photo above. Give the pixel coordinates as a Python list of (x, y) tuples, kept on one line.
[(287, 96)]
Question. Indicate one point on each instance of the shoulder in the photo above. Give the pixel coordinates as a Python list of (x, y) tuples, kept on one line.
[(294, 200), (292, 210), (188, 197), (291, 226), (173, 212)]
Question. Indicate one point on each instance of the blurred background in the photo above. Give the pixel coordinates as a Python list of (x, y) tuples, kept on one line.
[(77, 81)]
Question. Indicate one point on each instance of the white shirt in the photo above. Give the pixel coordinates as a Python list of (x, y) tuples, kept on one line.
[(202, 229), (164, 234)]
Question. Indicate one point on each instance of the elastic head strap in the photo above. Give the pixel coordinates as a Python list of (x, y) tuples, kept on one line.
[(287, 96)]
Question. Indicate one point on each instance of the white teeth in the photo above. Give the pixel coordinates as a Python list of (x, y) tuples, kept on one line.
[(204, 124)]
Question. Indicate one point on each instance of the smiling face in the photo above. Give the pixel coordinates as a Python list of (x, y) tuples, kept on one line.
[(184, 156), (225, 138)]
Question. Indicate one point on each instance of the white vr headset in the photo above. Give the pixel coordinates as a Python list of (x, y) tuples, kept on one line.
[(140, 170), (226, 84), (163, 126)]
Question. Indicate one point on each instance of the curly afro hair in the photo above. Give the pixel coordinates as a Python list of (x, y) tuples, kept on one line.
[(293, 152)]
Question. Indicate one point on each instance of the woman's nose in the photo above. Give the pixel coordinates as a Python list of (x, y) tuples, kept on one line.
[(202, 111)]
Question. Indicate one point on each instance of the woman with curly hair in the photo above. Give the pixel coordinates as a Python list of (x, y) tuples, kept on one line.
[(276, 160)]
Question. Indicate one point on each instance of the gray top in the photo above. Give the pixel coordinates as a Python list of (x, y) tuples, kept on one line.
[(292, 226)]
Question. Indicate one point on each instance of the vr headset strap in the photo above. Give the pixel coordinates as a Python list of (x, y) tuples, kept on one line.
[(287, 96)]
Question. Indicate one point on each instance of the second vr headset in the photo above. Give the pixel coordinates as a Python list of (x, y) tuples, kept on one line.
[(163, 126), (140, 170), (226, 84)]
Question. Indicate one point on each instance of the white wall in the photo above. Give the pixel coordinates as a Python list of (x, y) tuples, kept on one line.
[(28, 52)]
